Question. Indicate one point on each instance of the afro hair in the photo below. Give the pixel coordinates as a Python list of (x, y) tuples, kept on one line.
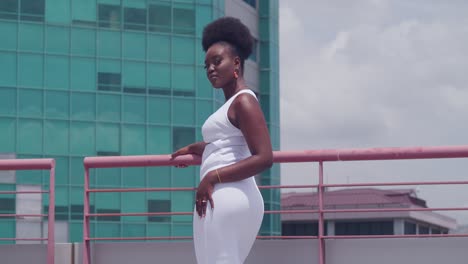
[(232, 31)]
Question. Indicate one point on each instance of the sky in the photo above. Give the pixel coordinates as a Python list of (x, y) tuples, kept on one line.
[(376, 73)]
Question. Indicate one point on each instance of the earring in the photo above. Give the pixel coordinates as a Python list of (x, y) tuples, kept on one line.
[(236, 75)]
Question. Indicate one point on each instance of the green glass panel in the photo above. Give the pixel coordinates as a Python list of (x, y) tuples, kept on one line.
[(84, 12), (83, 74), (108, 200), (182, 202), (61, 196), (134, 109), (76, 171), (75, 232), (159, 229), (109, 177), (159, 140), (57, 72), (109, 44), (133, 140), (61, 170), (30, 176), (159, 16), (7, 69), (109, 66), (108, 137), (183, 229), (184, 111), (108, 107), (56, 136), (183, 78), (8, 138), (30, 68), (31, 37), (30, 102), (7, 101), (8, 228), (159, 177), (57, 40), (57, 11), (76, 195), (134, 177), (159, 76), (134, 202), (184, 177), (83, 41), (134, 230), (57, 105), (184, 18), (204, 110), (9, 31), (159, 110), (29, 139), (182, 136), (134, 74), (159, 47), (183, 50), (203, 16), (83, 106), (106, 229), (82, 139), (134, 45)]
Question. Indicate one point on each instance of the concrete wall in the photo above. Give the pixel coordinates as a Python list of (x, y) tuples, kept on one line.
[(344, 251)]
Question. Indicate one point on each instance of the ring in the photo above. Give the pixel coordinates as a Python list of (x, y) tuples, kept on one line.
[(204, 201)]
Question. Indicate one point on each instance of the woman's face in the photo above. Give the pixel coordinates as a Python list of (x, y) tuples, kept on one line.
[(220, 65)]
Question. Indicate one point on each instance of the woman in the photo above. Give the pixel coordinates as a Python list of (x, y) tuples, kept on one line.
[(236, 146)]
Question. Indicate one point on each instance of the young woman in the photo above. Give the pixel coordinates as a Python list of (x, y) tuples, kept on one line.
[(236, 146)]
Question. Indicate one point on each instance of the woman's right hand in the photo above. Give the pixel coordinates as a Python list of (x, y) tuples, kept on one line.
[(195, 148)]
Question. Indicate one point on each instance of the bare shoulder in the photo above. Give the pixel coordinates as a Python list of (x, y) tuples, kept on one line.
[(245, 101)]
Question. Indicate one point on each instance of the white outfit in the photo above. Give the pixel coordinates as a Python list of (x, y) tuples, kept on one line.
[(226, 234)]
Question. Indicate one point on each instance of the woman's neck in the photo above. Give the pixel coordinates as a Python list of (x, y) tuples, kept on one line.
[(235, 87)]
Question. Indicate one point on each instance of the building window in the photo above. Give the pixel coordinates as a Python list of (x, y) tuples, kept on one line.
[(77, 211), (115, 218), (61, 212), (182, 136), (159, 206), (135, 18), (252, 3), (7, 206), (423, 230), (435, 231), (410, 228), (255, 54), (32, 10), (160, 17), (184, 20), (109, 16), (300, 229), (109, 81), (8, 9), (364, 228)]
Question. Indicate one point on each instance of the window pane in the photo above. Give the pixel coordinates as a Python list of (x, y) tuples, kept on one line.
[(159, 206), (29, 136), (83, 74), (184, 50), (108, 107), (159, 81), (57, 104), (134, 45), (204, 110), (58, 11), (109, 16), (77, 170), (182, 136), (134, 75), (32, 10), (159, 138), (109, 81), (57, 72), (8, 9), (7, 69), (31, 37), (108, 138), (182, 202), (133, 140), (30, 102), (83, 106), (159, 47), (83, 41), (184, 111), (84, 12), (109, 44), (30, 70), (159, 110), (135, 18), (160, 17), (135, 177), (134, 109), (7, 140), (9, 32), (108, 200), (183, 78), (82, 135), (203, 17), (7, 101), (184, 19), (57, 40), (134, 203), (56, 137)]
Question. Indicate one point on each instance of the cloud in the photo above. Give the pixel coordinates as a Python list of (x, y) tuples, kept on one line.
[(371, 73)]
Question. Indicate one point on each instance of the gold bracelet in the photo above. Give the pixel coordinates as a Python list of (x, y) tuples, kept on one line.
[(217, 173)]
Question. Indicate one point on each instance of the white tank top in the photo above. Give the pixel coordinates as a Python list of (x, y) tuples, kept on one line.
[(226, 144)]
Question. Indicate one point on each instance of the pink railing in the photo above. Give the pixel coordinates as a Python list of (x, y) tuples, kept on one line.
[(319, 156), (36, 164)]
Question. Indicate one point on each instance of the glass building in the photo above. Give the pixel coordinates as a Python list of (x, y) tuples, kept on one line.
[(117, 77)]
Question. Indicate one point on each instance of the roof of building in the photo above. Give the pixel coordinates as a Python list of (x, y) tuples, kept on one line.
[(354, 197)]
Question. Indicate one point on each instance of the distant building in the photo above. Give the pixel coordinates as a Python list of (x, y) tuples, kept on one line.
[(363, 223)]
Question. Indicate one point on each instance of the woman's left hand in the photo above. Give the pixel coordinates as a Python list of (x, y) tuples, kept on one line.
[(204, 194)]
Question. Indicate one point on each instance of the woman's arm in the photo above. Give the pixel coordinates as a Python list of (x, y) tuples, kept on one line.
[(196, 148)]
